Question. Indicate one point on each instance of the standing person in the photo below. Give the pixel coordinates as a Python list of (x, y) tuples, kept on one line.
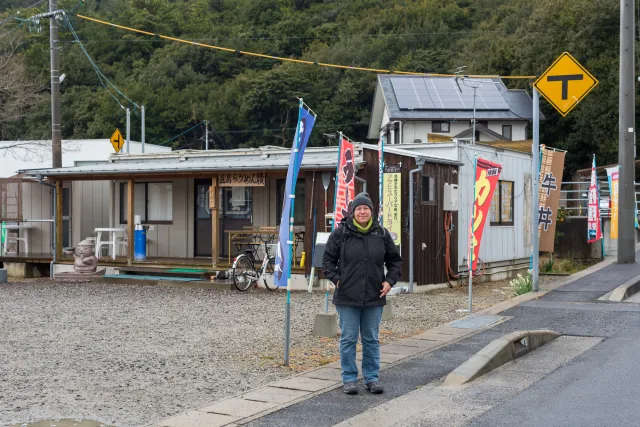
[(354, 260)]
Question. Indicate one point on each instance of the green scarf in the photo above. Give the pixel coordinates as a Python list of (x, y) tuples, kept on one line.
[(362, 229)]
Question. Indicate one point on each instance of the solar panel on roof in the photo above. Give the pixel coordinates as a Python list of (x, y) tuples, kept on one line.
[(433, 93)]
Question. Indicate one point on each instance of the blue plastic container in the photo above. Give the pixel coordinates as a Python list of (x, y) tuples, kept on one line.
[(140, 245)]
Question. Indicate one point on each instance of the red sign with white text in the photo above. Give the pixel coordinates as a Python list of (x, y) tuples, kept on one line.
[(345, 181), (487, 176)]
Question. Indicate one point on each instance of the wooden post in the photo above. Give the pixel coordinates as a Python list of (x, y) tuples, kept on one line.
[(130, 199), (215, 222), (58, 224)]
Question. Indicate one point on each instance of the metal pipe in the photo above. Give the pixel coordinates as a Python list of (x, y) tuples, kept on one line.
[(206, 135), (143, 136), (535, 201), (53, 261), (128, 128), (363, 182), (419, 163)]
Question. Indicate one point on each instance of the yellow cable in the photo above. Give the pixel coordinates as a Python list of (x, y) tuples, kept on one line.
[(299, 61)]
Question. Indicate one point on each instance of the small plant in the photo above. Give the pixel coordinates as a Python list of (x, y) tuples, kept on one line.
[(547, 266), (521, 284)]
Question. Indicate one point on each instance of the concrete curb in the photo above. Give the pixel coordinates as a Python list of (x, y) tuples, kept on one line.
[(624, 291), (497, 353)]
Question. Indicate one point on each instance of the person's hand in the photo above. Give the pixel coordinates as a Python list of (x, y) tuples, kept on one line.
[(386, 287)]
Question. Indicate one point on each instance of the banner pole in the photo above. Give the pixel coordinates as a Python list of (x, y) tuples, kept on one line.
[(333, 226), (471, 221), (381, 180), (292, 195)]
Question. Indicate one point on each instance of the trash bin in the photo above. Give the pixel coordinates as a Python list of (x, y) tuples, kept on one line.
[(3, 275)]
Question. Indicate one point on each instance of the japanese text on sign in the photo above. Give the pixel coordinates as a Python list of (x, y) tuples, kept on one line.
[(242, 179)]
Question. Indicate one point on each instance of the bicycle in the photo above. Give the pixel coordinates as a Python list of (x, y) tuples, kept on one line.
[(245, 274)]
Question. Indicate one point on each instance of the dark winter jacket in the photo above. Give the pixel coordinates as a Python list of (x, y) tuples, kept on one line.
[(355, 263)]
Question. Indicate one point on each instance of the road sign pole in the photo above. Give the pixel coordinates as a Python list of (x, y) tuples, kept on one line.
[(142, 138), (535, 199), (128, 129), (627, 136), (56, 123)]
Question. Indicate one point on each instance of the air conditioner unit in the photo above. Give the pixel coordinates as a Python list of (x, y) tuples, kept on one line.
[(450, 199)]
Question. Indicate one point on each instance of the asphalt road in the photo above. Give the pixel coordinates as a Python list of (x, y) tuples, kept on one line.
[(597, 388)]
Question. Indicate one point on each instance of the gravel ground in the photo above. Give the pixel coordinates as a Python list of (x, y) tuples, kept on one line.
[(130, 355)]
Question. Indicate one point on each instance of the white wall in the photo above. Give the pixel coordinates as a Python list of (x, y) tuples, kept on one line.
[(419, 129), (499, 243)]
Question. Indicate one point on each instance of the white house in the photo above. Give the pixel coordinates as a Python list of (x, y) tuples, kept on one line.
[(423, 109)]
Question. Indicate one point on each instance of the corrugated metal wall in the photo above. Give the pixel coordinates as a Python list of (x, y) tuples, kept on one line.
[(499, 243), (429, 263)]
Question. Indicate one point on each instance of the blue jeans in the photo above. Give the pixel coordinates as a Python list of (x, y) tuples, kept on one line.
[(363, 321)]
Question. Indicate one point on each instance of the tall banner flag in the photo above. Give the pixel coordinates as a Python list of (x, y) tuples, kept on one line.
[(306, 120), (345, 180), (612, 176), (487, 175), (593, 222), (551, 169), (392, 193)]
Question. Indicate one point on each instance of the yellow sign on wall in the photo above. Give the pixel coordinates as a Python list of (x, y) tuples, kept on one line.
[(392, 199), (565, 83), (117, 140)]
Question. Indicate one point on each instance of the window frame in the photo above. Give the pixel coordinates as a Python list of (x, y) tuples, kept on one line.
[(435, 184), (123, 215), (500, 223), (510, 127), (440, 123)]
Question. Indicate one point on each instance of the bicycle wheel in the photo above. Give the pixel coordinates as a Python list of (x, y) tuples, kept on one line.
[(269, 278), (244, 275)]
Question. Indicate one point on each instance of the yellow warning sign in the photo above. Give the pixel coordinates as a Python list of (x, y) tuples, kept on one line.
[(117, 140), (565, 83)]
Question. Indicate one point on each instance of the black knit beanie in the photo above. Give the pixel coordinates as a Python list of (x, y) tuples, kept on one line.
[(362, 199)]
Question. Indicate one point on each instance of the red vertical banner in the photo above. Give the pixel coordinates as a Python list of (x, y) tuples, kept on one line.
[(345, 181), (487, 175)]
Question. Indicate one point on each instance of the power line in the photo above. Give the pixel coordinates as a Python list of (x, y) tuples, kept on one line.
[(101, 77), (278, 58)]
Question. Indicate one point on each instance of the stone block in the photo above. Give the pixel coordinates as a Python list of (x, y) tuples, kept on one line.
[(197, 419), (326, 325), (275, 395), (387, 311), (303, 384), (238, 407)]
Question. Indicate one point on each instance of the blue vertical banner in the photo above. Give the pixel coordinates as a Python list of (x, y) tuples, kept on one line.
[(306, 120)]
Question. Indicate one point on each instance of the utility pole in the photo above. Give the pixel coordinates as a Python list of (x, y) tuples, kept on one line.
[(627, 135), (206, 135), (56, 126), (535, 195)]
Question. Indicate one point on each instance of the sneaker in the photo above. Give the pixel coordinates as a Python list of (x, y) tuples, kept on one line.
[(350, 388), (374, 387)]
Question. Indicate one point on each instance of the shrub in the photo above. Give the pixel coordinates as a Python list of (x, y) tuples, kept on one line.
[(521, 284)]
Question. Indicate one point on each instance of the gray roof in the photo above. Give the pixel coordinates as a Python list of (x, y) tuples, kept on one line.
[(495, 101), (395, 149), (264, 158)]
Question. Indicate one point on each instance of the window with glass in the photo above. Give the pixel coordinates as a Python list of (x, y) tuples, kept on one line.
[(501, 212), (298, 207), (439, 126), (153, 201), (429, 189), (506, 131)]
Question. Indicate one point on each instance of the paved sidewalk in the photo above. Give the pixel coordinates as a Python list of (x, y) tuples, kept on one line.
[(314, 398)]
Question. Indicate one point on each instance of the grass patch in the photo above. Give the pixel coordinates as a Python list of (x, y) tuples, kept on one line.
[(551, 264)]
